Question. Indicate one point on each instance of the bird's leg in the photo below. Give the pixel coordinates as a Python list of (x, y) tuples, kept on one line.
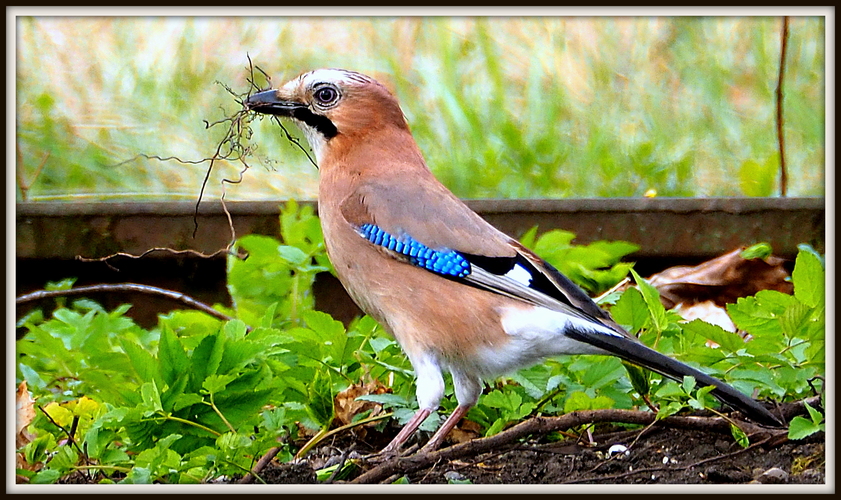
[(446, 427), (407, 430)]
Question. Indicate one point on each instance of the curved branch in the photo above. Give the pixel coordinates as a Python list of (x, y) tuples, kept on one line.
[(125, 287), (544, 425)]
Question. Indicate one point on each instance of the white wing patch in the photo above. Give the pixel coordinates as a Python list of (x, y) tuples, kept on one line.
[(520, 274), (534, 333)]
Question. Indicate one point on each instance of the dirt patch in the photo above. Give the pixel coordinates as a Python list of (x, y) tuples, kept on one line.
[(665, 456)]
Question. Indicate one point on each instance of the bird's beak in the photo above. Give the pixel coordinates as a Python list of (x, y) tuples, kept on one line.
[(270, 102)]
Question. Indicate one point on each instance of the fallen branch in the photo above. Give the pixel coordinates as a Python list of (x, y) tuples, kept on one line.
[(124, 287), (544, 425)]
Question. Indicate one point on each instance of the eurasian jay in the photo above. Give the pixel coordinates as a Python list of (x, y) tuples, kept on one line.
[(456, 293)]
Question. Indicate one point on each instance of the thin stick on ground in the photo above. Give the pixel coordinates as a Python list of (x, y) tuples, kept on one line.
[(660, 469)]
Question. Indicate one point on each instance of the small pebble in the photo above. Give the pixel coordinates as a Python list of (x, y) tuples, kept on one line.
[(618, 449), (773, 476), (454, 476)]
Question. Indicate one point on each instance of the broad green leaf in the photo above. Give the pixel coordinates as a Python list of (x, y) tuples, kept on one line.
[(599, 371), (800, 428), (578, 401), (808, 277), (46, 476), (240, 407), (201, 362), (816, 416), (529, 238), (138, 475), (65, 458), (688, 384), (59, 414), (216, 383), (795, 320), (667, 410), (534, 380), (145, 365), (151, 396), (172, 358), (293, 255), (235, 329), (36, 450), (331, 335), (748, 315), (652, 299), (805, 247), (728, 341), (184, 400), (239, 354), (631, 312), (320, 402)]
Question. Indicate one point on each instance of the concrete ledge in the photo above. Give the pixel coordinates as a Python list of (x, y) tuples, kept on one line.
[(662, 227)]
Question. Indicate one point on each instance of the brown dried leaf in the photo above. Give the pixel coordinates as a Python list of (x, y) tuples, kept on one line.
[(347, 406), (24, 415), (707, 311), (721, 280), (467, 430)]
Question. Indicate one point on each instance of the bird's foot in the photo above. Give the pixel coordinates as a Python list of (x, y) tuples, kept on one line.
[(387, 454)]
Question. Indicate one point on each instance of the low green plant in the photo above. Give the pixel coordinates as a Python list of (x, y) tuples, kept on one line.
[(195, 398), (800, 427)]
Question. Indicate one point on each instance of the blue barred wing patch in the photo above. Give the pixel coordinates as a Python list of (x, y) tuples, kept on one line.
[(446, 262)]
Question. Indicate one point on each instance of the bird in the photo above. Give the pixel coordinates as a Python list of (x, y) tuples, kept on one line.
[(456, 293)]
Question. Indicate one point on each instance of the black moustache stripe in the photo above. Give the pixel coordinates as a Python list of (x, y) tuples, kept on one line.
[(318, 122)]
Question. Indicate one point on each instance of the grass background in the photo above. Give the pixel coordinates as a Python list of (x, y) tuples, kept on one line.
[(533, 107)]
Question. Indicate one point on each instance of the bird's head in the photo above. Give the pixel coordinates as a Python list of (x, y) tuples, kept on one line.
[(327, 103)]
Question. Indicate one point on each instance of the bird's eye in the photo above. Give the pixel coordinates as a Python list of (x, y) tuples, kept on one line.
[(326, 95)]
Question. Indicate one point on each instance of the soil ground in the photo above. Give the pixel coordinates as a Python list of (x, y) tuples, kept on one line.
[(665, 456)]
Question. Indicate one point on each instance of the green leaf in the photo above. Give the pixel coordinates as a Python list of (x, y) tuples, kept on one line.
[(172, 358), (800, 427), (320, 401), (667, 410), (529, 238), (331, 335), (817, 417), (387, 400), (688, 384), (808, 278), (631, 312), (217, 383), (151, 396), (758, 251), (730, 342), (46, 476), (293, 255), (496, 427), (740, 436), (145, 365), (578, 401), (652, 299), (639, 378)]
